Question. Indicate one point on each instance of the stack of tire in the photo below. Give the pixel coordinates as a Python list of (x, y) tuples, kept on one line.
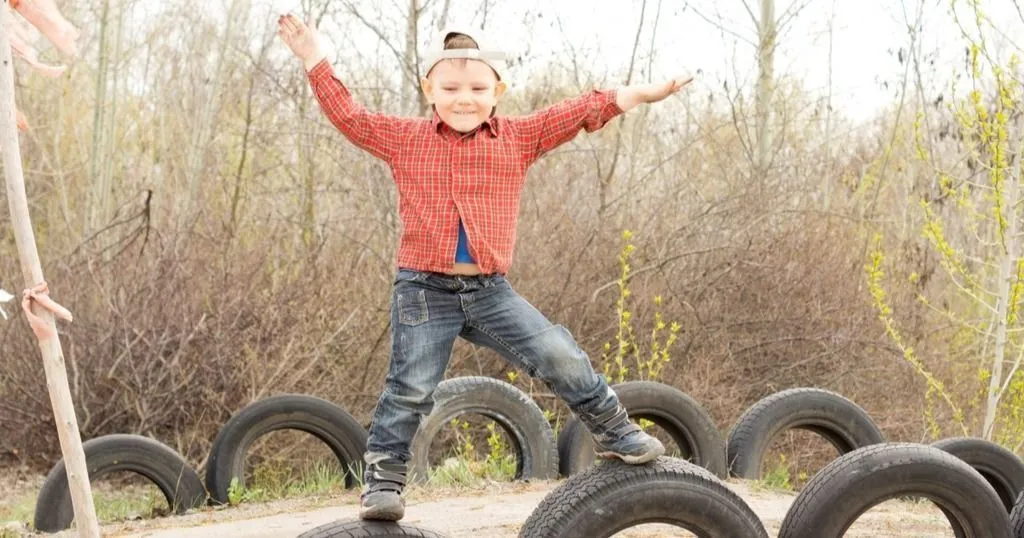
[(603, 500), (971, 481), (975, 483), (532, 437), (596, 498), (178, 482)]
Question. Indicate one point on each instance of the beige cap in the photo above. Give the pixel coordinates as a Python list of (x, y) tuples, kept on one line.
[(487, 53)]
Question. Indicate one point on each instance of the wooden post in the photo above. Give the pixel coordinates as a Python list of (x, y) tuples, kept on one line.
[(53, 355)]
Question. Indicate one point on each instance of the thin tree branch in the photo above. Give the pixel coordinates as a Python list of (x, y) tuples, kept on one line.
[(721, 26)]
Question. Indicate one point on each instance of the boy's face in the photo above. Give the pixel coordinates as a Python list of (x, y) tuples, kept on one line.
[(464, 92)]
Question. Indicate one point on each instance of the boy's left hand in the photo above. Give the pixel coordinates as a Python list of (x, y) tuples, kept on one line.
[(631, 96), (656, 92)]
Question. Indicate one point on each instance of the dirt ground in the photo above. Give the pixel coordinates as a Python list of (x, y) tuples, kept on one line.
[(492, 511)]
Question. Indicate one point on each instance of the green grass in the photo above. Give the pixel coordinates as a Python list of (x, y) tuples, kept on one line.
[(778, 476), (270, 481), (129, 503), (273, 480), (470, 472), (112, 504), (469, 466), (276, 479), (22, 508)]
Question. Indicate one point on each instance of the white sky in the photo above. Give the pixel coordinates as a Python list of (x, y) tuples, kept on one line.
[(866, 34)]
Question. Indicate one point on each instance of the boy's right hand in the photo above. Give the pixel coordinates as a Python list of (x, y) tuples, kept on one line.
[(301, 38)]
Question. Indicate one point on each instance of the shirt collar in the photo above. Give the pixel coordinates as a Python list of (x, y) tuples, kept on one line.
[(491, 125)]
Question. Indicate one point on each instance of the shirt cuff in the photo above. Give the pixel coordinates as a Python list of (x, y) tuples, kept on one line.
[(320, 70), (610, 107)]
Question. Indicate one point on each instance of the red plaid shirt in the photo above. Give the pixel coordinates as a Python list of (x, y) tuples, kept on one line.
[(442, 174)]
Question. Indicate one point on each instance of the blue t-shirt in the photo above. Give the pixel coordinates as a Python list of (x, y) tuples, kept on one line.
[(462, 254)]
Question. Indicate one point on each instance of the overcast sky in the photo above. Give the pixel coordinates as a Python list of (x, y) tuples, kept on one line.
[(865, 35)]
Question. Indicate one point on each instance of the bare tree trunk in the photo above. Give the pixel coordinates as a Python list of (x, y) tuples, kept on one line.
[(444, 15), (826, 177), (101, 191), (412, 74), (96, 194), (485, 10), (204, 127), (236, 192), (1007, 275), (604, 191), (765, 88), (627, 215), (110, 140)]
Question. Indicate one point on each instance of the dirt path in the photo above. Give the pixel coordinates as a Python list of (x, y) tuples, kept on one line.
[(496, 511)]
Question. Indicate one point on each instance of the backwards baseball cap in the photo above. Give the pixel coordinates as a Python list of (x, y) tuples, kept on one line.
[(486, 53)]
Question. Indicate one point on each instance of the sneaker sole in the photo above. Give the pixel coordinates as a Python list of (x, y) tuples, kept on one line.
[(633, 460), (377, 513)]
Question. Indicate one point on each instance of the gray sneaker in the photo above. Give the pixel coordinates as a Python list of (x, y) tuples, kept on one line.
[(631, 445), (384, 505), (616, 437), (382, 498)]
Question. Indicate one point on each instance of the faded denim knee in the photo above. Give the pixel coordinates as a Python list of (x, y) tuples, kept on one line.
[(565, 367)]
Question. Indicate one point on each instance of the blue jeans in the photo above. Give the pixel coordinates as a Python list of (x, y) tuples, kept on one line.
[(429, 310)]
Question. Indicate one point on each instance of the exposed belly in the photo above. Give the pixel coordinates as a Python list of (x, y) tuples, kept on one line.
[(459, 268)]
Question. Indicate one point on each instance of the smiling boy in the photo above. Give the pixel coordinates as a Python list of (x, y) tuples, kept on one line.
[(459, 176)]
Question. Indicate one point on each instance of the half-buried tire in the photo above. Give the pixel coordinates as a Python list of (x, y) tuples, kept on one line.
[(840, 421), (682, 417), (1017, 517), (150, 458), (512, 409), (369, 529), (1003, 470), (612, 496), (854, 483), (324, 420)]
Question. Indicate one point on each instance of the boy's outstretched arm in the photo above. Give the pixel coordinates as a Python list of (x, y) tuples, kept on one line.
[(302, 39), (635, 94), (375, 133), (559, 123)]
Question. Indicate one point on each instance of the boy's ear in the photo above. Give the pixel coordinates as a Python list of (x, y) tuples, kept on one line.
[(499, 89), (427, 88)]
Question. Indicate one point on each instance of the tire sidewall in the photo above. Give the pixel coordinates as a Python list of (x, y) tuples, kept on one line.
[(840, 421), (856, 482), (1002, 469), (326, 421), (513, 410), (161, 465)]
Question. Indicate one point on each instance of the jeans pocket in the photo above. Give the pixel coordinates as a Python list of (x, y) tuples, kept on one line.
[(412, 307), (408, 275)]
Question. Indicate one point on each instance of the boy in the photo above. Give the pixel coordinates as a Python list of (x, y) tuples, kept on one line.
[(459, 177)]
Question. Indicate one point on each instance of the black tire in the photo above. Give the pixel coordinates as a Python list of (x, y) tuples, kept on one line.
[(852, 484), (611, 496), (368, 529), (1003, 470), (1017, 517), (321, 418), (120, 452), (682, 417), (532, 437), (840, 421)]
